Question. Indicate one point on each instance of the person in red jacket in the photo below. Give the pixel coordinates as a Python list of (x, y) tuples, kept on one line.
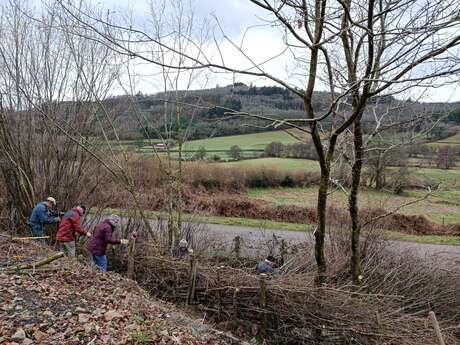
[(70, 224)]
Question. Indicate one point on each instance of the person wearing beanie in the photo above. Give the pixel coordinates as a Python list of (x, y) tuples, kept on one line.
[(69, 226), (103, 236), (41, 215), (182, 252)]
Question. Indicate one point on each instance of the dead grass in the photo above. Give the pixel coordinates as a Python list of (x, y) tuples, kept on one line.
[(148, 173), (439, 207)]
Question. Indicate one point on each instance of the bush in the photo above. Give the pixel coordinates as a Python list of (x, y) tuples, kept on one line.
[(297, 150), (215, 158), (288, 181), (447, 157), (235, 152), (260, 181), (200, 154), (274, 149)]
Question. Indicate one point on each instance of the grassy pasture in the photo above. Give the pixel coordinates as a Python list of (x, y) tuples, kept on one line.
[(252, 144), (254, 141), (441, 207), (284, 164), (448, 179)]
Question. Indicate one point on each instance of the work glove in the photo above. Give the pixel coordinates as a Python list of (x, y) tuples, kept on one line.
[(124, 241)]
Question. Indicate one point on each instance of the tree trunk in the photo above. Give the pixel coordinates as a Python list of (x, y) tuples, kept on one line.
[(379, 172), (178, 228), (355, 264), (321, 225)]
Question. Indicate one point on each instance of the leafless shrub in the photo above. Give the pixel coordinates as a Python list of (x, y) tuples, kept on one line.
[(48, 110)]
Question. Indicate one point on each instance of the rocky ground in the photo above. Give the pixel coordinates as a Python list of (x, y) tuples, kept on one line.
[(65, 302)]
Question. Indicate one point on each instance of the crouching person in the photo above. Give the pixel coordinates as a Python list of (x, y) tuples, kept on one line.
[(97, 245), (183, 251), (69, 226), (268, 266)]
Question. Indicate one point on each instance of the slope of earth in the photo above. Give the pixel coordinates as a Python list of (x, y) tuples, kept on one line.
[(66, 303)]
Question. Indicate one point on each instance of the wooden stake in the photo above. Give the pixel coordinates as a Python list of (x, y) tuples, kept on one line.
[(263, 304), (377, 318), (219, 296), (131, 254), (237, 248), (437, 330), (283, 251), (192, 284), (235, 304)]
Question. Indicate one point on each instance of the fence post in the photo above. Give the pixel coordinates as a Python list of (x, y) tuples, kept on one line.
[(263, 305), (192, 283), (237, 247), (437, 330), (235, 304), (219, 295), (131, 256), (283, 251), (378, 319)]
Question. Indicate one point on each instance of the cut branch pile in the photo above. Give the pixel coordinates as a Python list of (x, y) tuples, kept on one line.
[(286, 308)]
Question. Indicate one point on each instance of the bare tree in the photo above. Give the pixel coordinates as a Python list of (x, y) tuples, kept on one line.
[(447, 157), (41, 84), (174, 24)]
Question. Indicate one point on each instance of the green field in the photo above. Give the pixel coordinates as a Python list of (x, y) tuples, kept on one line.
[(284, 164), (252, 145), (254, 141), (448, 179)]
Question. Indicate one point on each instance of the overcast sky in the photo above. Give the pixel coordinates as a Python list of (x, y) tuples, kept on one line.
[(235, 16)]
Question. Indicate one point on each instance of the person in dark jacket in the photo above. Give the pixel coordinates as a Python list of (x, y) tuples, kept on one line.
[(70, 224), (268, 266), (41, 216), (97, 245), (183, 251)]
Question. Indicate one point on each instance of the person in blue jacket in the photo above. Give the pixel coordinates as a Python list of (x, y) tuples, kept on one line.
[(268, 266), (41, 216)]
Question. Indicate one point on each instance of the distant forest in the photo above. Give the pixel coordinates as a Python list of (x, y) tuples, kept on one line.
[(207, 113)]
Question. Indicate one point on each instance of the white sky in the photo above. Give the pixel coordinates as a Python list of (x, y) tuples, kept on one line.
[(235, 16)]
